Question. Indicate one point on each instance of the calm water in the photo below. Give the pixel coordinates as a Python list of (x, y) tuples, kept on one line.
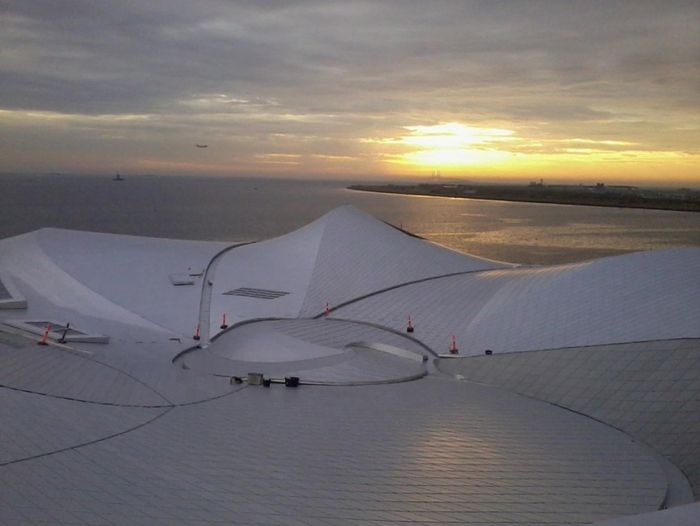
[(237, 209)]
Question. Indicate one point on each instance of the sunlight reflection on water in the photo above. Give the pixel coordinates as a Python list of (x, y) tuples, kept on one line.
[(546, 234)]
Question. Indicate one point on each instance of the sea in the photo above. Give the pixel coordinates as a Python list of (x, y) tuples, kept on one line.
[(246, 209)]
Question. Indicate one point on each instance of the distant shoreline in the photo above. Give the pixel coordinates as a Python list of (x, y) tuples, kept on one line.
[(617, 197)]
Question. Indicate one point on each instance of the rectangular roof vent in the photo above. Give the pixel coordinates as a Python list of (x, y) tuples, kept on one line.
[(181, 279), (261, 294)]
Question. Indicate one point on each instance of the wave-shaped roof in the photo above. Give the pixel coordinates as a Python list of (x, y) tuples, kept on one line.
[(161, 405), (341, 256), (633, 297)]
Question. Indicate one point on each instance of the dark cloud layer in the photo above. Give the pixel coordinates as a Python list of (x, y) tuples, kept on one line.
[(325, 71)]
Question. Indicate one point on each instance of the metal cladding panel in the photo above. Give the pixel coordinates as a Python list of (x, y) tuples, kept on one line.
[(650, 390), (635, 297), (146, 436), (432, 450), (359, 255)]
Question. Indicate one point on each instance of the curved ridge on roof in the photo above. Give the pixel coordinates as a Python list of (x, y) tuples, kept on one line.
[(359, 254), (283, 264), (340, 256), (640, 296)]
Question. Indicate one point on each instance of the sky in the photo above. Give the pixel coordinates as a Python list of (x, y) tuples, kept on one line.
[(576, 91)]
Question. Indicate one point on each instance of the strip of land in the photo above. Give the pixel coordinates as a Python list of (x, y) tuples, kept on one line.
[(683, 199)]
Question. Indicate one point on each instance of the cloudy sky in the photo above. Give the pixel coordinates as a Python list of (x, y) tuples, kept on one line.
[(584, 90)]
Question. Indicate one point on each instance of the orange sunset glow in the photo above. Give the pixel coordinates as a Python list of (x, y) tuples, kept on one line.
[(502, 91), (455, 148)]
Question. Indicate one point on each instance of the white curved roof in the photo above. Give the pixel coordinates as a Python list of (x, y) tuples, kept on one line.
[(341, 256), (349, 257), (328, 351), (118, 278), (634, 297), (138, 422)]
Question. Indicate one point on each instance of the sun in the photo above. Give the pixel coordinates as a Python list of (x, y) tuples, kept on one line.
[(443, 157), (454, 144)]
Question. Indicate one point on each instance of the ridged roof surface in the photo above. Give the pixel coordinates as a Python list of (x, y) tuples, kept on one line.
[(633, 297), (151, 427)]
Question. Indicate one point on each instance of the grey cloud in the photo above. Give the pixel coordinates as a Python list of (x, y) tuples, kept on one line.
[(557, 111), (375, 66), (189, 46)]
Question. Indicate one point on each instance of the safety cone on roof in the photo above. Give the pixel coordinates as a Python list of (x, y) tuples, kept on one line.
[(409, 327), (453, 345), (196, 333), (45, 338), (223, 325)]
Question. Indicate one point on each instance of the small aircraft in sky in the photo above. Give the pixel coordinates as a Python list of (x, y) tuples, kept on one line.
[(202, 145)]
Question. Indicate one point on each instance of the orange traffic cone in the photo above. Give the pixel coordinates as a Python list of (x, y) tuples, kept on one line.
[(453, 346), (45, 338)]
